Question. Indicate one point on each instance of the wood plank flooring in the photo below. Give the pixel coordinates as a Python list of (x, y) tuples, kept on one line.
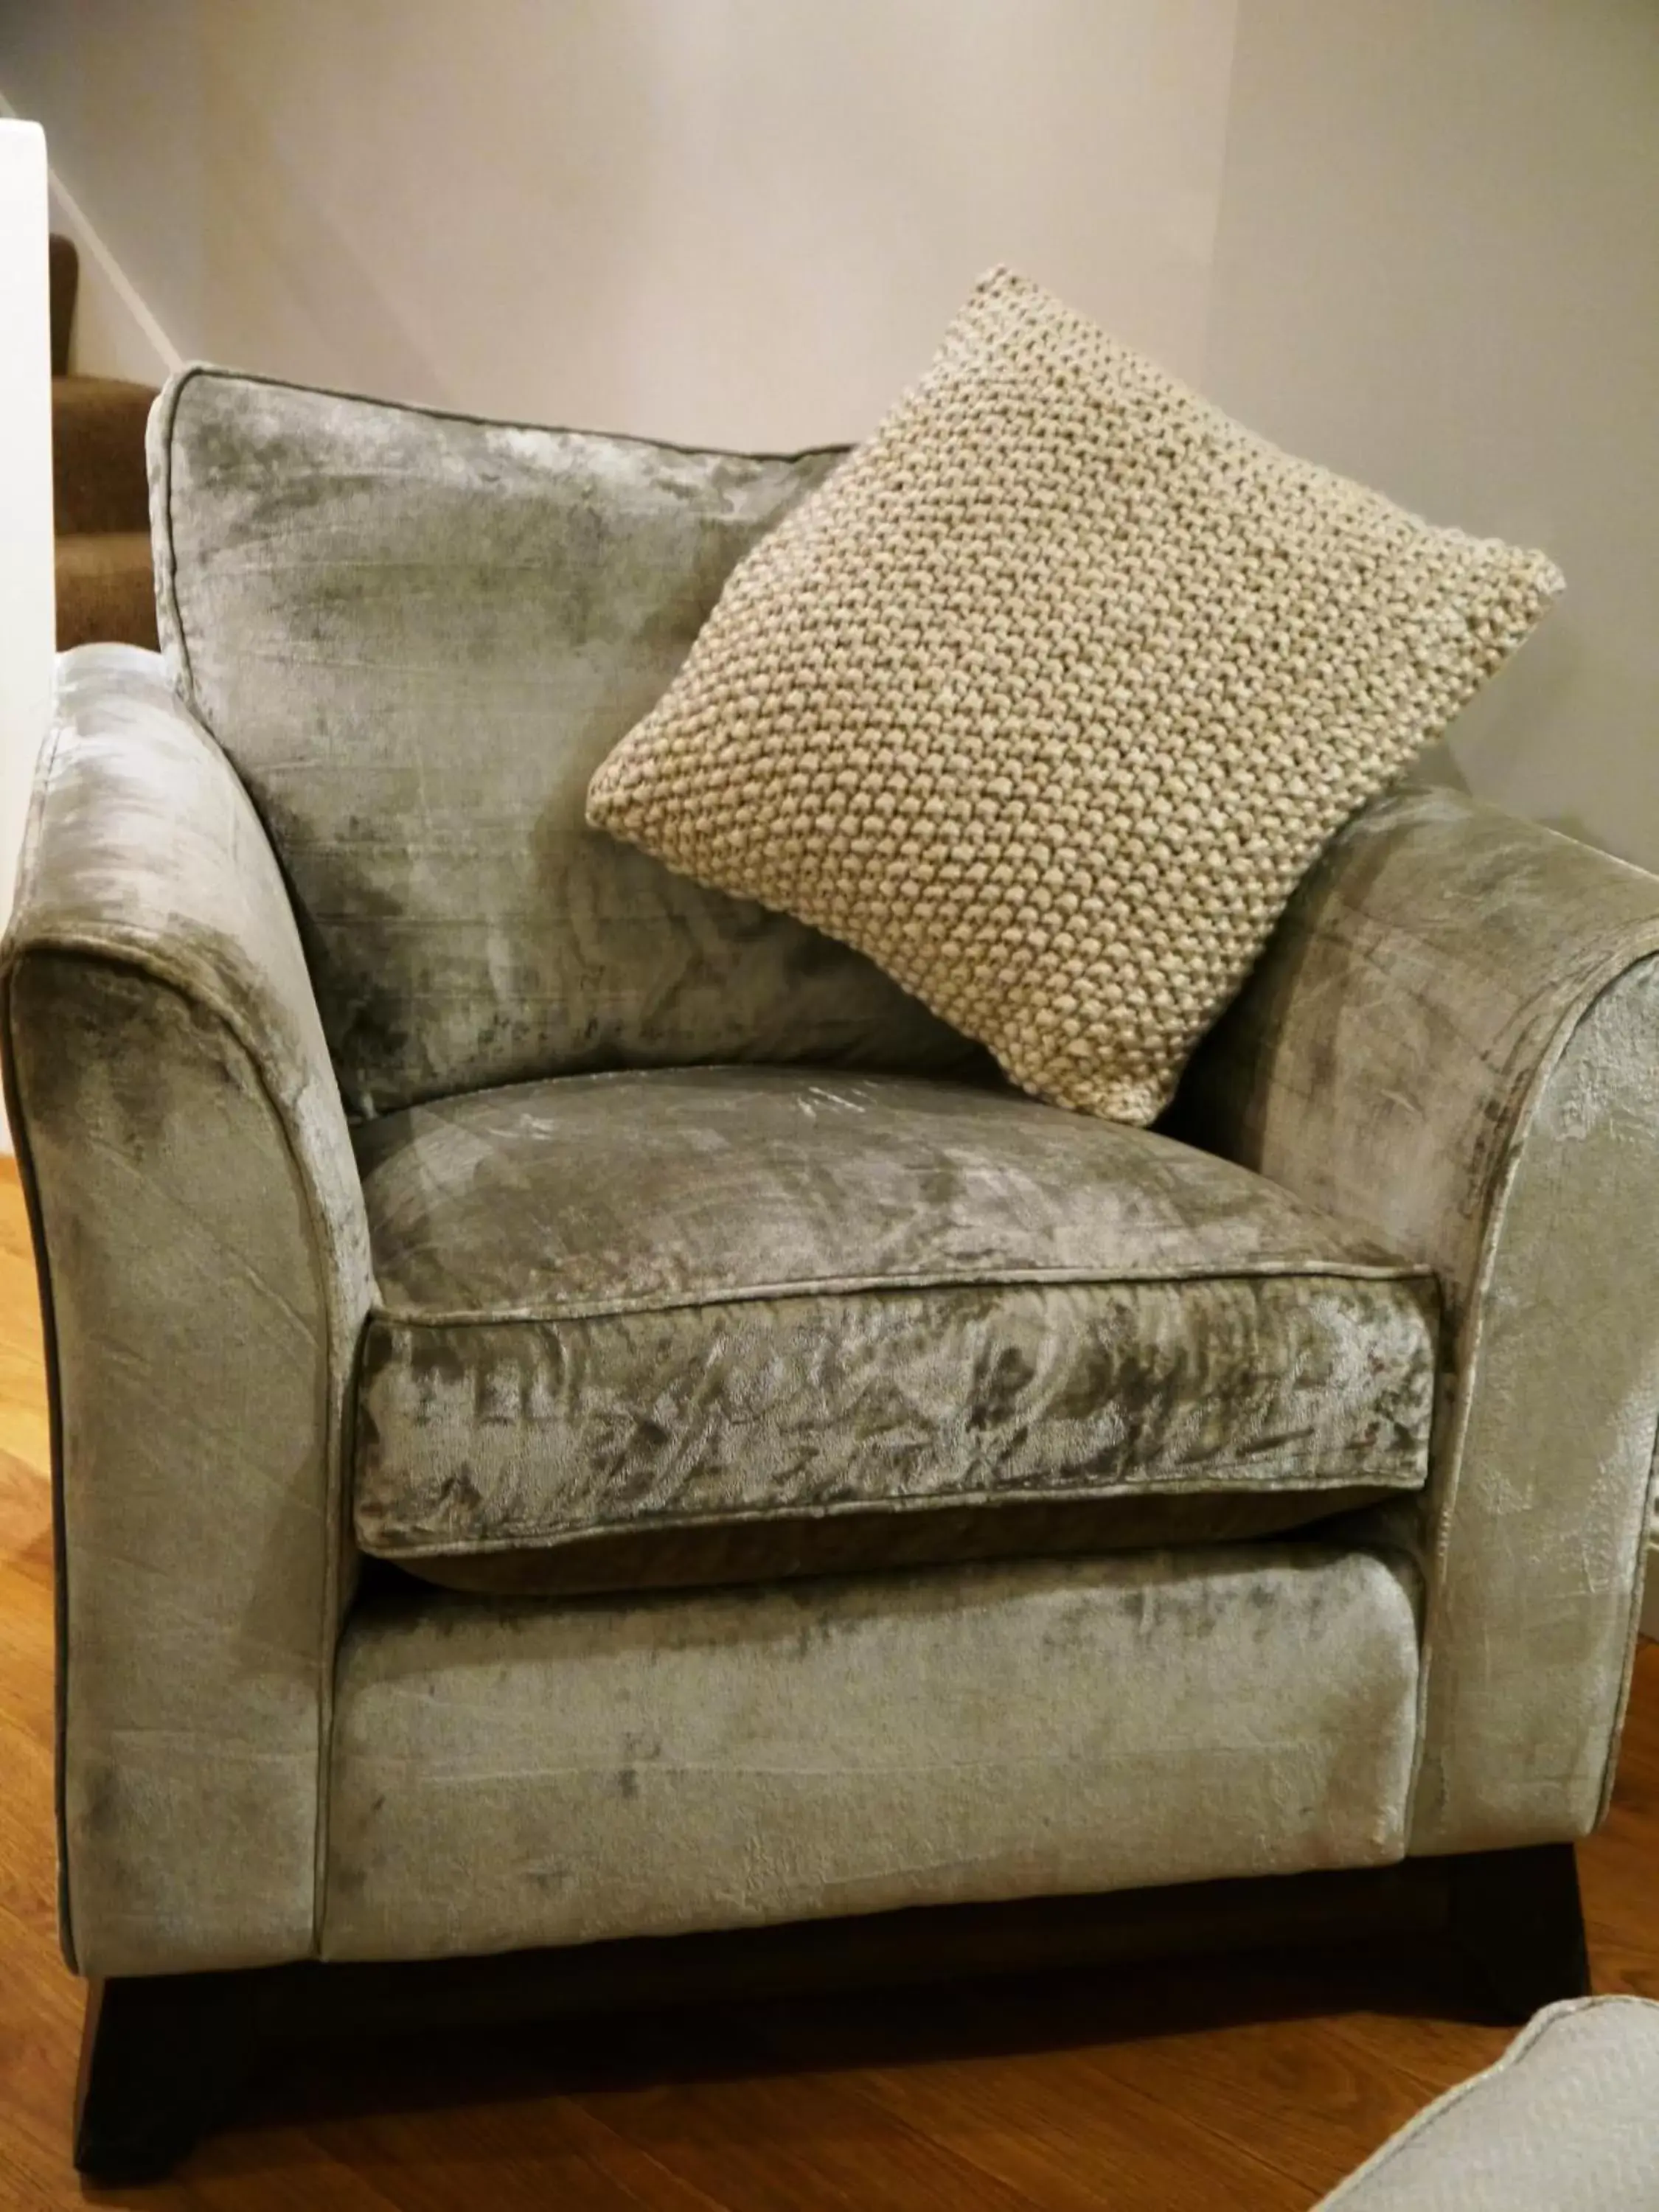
[(1253, 2083)]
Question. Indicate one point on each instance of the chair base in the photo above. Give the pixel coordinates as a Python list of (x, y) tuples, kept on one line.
[(162, 2056), (1518, 1917), (161, 2060)]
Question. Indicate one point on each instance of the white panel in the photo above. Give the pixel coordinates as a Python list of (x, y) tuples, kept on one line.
[(113, 332), (26, 613)]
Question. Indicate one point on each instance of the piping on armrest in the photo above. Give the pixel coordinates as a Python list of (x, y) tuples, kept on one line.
[(1452, 1041)]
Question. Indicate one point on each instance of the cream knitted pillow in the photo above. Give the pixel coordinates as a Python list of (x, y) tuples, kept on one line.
[(1049, 696)]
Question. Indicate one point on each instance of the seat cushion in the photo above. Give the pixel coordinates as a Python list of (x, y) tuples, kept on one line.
[(710, 1324)]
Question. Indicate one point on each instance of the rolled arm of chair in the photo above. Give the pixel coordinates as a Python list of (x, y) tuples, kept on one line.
[(1453, 1041), (200, 1229)]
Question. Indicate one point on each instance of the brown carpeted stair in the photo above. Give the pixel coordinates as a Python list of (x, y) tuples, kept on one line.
[(101, 501)]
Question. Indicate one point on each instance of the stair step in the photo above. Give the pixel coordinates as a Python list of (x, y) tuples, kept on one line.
[(64, 279), (105, 589), (98, 453)]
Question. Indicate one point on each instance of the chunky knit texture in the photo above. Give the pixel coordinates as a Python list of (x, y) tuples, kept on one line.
[(1047, 698)]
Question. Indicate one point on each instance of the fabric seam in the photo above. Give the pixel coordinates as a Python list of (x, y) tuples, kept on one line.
[(843, 1286), (1425, 2123), (220, 375), (574, 1537), (166, 590), (1592, 987)]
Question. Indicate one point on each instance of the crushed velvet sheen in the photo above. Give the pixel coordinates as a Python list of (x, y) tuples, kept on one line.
[(692, 1298), (1450, 1052), (509, 1774), (606, 1193), (204, 1271), (418, 636), (1451, 1043)]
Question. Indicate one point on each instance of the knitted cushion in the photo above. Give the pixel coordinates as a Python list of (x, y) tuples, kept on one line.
[(1049, 696)]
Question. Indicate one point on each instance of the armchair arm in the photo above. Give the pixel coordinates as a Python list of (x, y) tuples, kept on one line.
[(1453, 1042), (204, 1262)]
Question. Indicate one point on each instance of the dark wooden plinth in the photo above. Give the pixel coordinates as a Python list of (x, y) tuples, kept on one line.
[(162, 2055)]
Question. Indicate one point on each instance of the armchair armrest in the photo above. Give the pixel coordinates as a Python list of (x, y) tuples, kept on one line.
[(204, 1263), (1453, 1041)]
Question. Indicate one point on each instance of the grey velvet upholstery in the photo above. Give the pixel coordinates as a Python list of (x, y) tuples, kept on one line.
[(418, 636), (1452, 1043), (204, 1264), (708, 1296), (512, 1774), (411, 637)]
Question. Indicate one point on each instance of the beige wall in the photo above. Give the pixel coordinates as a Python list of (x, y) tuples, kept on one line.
[(1416, 238), (738, 221), (1438, 268)]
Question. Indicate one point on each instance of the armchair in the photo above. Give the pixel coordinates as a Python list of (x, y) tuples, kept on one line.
[(580, 1414)]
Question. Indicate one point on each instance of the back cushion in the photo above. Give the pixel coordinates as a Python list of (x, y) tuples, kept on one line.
[(416, 635)]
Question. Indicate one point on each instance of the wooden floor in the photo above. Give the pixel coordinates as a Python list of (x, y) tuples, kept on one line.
[(1250, 2084)]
